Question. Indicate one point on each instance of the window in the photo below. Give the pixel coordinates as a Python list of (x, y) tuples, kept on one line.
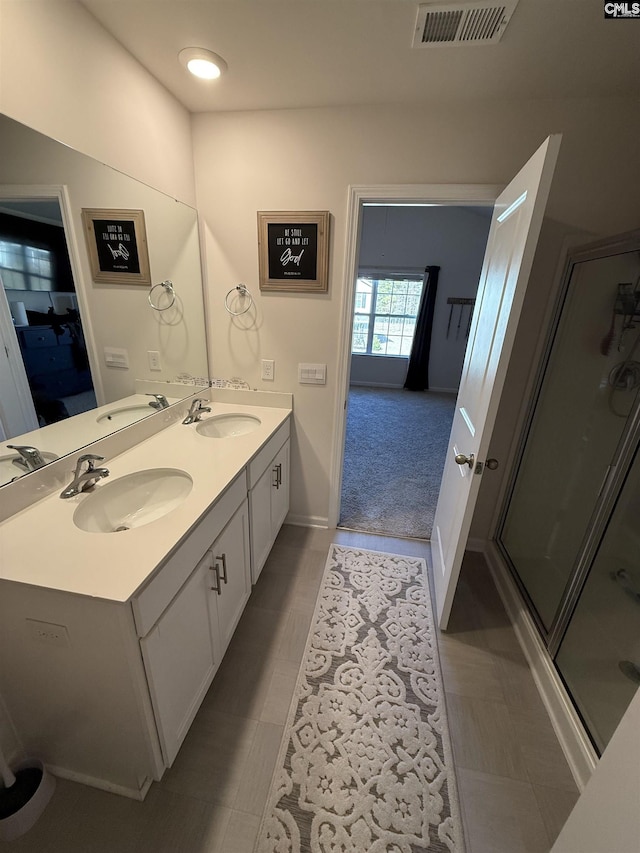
[(385, 312), (24, 267)]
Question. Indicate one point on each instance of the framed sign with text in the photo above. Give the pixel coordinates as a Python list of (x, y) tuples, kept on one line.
[(293, 251), (117, 245)]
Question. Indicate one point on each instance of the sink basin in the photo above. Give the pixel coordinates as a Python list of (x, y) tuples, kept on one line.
[(225, 426), (8, 470), (125, 415), (133, 500)]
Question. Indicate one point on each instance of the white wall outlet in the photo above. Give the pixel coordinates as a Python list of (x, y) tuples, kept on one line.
[(154, 360), (48, 632), (268, 369)]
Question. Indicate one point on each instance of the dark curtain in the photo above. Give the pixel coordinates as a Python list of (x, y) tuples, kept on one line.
[(418, 373)]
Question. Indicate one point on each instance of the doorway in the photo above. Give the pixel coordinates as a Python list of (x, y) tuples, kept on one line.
[(396, 439), (42, 333)]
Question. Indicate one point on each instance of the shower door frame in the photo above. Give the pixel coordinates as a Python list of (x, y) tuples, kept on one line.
[(617, 471)]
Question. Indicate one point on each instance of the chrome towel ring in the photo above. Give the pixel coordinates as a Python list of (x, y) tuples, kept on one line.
[(168, 288), (242, 291)]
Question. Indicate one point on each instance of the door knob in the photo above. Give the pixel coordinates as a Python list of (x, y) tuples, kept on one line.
[(461, 459), (492, 464)]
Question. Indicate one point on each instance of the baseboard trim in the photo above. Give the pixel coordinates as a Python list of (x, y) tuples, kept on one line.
[(575, 743), (365, 384), (476, 544), (101, 784), (307, 520)]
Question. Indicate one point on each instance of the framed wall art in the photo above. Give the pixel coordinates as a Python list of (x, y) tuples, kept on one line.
[(293, 251), (117, 245)]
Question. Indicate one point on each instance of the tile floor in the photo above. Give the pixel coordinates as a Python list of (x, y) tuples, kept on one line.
[(515, 787)]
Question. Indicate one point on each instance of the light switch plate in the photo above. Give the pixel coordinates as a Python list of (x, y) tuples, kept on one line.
[(115, 357), (48, 632), (312, 374), (154, 360)]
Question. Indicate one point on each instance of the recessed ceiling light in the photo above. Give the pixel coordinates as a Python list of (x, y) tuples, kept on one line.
[(202, 63)]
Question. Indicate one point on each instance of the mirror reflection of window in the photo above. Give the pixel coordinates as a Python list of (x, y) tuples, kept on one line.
[(25, 267)]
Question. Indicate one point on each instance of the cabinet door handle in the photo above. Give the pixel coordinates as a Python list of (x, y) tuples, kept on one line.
[(279, 467), (277, 482), (223, 560), (214, 569)]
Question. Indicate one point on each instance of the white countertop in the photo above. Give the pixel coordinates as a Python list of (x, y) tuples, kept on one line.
[(41, 546), (80, 430)]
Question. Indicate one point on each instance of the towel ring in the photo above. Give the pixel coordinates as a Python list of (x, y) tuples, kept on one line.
[(168, 288), (242, 290)]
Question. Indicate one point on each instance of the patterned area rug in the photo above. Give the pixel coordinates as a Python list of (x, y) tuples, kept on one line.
[(365, 764)]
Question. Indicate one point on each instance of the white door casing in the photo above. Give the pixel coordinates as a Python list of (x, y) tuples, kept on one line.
[(468, 195), (513, 236), (17, 412)]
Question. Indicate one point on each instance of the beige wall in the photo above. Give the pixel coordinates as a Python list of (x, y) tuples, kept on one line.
[(306, 159), (78, 85), (606, 817)]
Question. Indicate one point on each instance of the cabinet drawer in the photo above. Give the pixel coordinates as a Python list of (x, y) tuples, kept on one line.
[(38, 337), (154, 598), (263, 458), (47, 359)]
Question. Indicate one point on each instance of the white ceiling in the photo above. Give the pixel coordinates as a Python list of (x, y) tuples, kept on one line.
[(311, 53)]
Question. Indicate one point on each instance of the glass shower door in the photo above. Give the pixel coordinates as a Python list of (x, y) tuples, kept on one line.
[(581, 414), (599, 657)]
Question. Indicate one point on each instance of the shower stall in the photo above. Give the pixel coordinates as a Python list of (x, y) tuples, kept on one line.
[(570, 526)]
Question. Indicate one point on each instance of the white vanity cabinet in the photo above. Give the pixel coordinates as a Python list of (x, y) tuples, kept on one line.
[(104, 672), (180, 657), (268, 496), (184, 647)]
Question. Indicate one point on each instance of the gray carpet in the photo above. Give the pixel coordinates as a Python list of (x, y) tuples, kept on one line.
[(394, 455)]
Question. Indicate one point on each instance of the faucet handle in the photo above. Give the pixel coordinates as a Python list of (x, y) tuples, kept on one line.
[(89, 458), (31, 455), (160, 400)]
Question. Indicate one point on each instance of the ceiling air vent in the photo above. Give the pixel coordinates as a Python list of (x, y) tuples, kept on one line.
[(441, 24)]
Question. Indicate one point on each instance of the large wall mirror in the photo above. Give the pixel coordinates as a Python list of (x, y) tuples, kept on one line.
[(81, 358)]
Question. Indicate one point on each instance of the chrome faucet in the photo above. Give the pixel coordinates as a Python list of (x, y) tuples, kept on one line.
[(30, 458), (196, 411), (160, 401), (85, 479)]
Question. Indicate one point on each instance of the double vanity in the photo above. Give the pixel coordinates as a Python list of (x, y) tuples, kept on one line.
[(117, 604)]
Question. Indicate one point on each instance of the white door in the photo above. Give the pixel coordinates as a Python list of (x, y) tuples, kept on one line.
[(17, 412), (513, 236)]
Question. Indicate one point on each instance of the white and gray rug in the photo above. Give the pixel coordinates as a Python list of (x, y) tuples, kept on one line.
[(365, 764)]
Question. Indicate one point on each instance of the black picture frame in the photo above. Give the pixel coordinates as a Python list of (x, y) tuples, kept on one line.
[(293, 251), (117, 246)]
